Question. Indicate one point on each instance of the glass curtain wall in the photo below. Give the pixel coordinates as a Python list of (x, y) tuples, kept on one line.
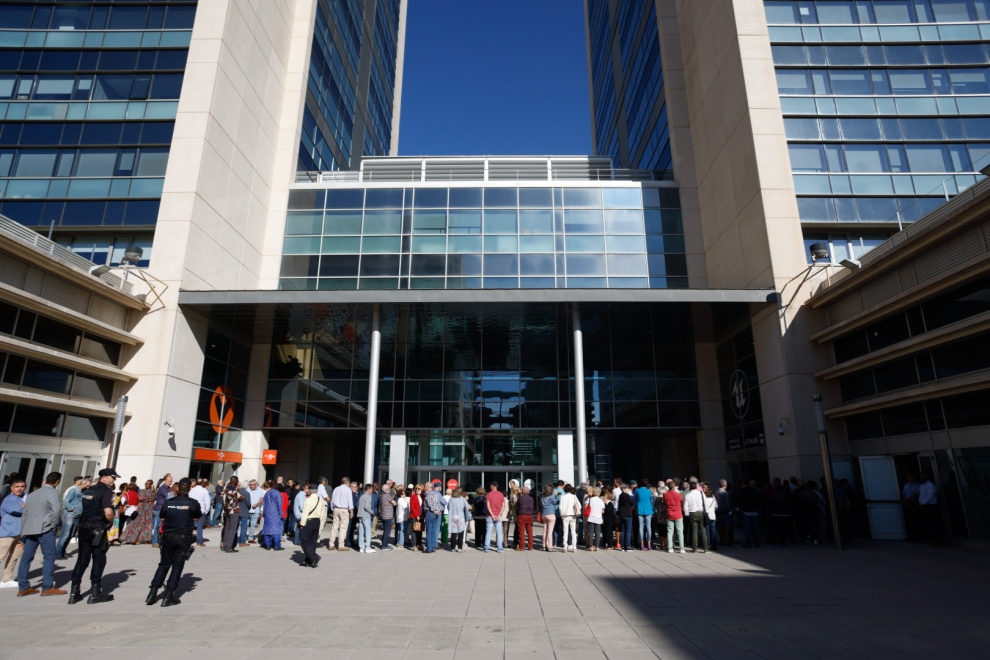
[(629, 109), (88, 96), (472, 238), (886, 103), (500, 367)]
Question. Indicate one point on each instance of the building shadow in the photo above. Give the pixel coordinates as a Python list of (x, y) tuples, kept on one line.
[(879, 599)]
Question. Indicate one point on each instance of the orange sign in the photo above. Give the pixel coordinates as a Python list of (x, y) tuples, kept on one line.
[(269, 457), (452, 484), (218, 456), (225, 408)]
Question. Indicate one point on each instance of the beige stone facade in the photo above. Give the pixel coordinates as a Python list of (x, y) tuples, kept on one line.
[(739, 206)]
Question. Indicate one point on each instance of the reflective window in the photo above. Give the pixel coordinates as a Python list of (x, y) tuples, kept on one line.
[(490, 241)]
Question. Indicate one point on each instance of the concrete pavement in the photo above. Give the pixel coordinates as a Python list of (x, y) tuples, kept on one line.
[(876, 600)]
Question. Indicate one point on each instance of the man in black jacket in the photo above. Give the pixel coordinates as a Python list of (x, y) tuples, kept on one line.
[(179, 516)]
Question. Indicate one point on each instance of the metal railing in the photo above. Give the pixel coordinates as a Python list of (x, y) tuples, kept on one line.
[(483, 168), (31, 238), (526, 174)]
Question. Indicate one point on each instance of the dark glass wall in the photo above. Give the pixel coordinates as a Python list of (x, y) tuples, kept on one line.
[(220, 412), (742, 408), (499, 367), (88, 95)]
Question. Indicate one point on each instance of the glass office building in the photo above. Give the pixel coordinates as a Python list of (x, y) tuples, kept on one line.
[(885, 106), (88, 98), (628, 104)]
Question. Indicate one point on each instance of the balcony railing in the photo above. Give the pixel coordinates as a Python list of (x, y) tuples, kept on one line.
[(482, 169), (28, 236)]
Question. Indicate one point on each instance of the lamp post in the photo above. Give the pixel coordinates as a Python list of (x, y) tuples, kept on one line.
[(118, 430), (827, 466)]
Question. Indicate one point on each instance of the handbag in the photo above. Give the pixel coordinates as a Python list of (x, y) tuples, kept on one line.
[(130, 510), (417, 525)]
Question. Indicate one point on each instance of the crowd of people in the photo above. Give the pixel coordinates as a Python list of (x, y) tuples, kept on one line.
[(673, 515)]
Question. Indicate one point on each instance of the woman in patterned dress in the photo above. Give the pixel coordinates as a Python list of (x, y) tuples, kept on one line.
[(138, 530)]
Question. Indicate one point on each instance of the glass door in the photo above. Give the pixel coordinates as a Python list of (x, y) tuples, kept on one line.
[(31, 467)]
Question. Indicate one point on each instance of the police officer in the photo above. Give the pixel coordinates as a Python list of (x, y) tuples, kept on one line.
[(179, 516), (95, 520)]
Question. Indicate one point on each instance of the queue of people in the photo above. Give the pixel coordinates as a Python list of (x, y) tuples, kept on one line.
[(673, 515)]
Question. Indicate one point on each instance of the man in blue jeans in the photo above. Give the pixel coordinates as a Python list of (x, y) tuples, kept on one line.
[(748, 501), (255, 496), (38, 520), (72, 503), (644, 512), (495, 507), (434, 505), (217, 504), (297, 511), (160, 496)]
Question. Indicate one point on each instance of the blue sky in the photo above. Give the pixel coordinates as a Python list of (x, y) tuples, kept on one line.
[(495, 77)]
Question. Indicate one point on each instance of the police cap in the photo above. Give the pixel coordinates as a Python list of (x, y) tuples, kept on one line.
[(109, 472), (185, 484)]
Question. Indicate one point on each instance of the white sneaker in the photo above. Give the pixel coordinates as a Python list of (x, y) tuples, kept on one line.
[(370, 550), (10, 584), (361, 550), (681, 551), (670, 549)]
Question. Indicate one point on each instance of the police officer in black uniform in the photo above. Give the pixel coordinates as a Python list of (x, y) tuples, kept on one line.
[(95, 520), (179, 516)]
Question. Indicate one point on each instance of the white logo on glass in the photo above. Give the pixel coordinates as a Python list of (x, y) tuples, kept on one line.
[(739, 393)]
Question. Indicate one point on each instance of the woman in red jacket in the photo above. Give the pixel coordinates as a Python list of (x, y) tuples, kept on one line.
[(415, 512)]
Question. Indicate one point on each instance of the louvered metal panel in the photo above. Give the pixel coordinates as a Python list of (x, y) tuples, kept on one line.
[(35, 281), (950, 254), (13, 271), (845, 308), (907, 277), (110, 313), (66, 294), (879, 290)]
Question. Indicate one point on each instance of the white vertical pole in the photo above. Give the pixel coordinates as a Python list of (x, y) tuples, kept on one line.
[(582, 439), (369, 437)]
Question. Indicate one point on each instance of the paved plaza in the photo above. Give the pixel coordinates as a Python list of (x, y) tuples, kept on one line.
[(876, 600)]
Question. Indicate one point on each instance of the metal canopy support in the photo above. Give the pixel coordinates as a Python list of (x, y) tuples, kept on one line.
[(827, 468), (582, 438), (375, 359)]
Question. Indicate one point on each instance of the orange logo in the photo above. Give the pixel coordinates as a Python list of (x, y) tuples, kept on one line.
[(225, 407)]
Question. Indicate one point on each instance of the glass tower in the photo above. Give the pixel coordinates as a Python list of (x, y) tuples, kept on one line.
[(628, 107), (88, 97), (885, 106), (351, 85)]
